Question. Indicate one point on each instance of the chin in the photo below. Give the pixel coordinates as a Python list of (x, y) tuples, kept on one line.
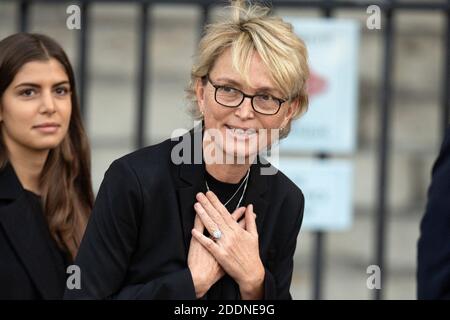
[(241, 152), (47, 145)]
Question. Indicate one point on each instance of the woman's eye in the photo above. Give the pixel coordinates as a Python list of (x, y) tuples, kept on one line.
[(28, 92), (266, 97), (229, 89), (62, 91)]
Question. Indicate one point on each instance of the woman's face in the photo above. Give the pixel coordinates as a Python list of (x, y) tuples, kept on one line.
[(228, 122), (35, 109)]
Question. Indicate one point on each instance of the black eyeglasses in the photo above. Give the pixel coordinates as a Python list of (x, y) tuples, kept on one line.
[(232, 98)]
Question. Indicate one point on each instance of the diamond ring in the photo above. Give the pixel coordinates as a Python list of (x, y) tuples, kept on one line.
[(217, 234)]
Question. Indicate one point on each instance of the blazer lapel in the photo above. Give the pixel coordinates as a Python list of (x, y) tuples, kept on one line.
[(257, 187), (191, 177), (187, 200), (30, 242)]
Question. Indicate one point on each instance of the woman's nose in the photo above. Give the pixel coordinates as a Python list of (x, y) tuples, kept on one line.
[(245, 110), (47, 103)]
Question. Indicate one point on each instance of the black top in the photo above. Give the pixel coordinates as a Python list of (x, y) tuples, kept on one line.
[(137, 240), (225, 191), (31, 264)]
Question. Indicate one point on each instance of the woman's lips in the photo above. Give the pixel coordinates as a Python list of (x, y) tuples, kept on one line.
[(47, 127), (240, 133)]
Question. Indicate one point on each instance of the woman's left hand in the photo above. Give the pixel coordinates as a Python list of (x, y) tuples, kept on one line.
[(237, 250)]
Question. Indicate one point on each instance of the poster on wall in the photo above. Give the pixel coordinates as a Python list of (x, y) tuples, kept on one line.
[(327, 186), (329, 125)]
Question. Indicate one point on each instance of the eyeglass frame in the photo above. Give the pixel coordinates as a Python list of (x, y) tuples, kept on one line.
[(244, 95)]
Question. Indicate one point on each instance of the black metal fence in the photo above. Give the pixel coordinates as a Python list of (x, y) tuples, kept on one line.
[(328, 8)]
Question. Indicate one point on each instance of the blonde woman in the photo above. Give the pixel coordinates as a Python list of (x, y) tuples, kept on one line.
[(45, 182), (205, 228)]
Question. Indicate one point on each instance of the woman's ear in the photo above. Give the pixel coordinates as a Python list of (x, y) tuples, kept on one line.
[(292, 110), (200, 94)]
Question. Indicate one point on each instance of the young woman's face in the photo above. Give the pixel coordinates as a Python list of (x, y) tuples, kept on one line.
[(35, 109), (241, 126)]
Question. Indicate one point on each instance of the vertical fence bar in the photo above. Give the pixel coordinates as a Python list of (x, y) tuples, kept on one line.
[(318, 262), (205, 9), (383, 172), (327, 9), (82, 71), (23, 11), (320, 236), (446, 78), (142, 78)]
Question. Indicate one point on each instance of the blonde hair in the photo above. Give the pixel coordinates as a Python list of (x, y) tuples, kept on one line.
[(251, 28)]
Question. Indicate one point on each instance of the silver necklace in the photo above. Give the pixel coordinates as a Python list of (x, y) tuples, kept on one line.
[(244, 182)]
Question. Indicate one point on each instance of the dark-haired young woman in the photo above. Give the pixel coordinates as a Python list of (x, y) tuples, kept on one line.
[(45, 183)]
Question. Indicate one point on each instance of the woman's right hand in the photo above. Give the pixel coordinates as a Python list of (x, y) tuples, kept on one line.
[(205, 270)]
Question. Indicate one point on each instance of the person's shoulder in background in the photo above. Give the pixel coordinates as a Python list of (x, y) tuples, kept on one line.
[(433, 269)]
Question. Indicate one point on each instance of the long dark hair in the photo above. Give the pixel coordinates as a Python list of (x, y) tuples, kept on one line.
[(65, 180)]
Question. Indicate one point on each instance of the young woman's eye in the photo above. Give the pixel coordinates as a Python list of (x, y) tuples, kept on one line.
[(62, 91), (28, 93)]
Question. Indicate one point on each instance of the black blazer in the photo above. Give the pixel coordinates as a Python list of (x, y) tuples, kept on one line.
[(137, 240), (433, 270), (29, 264)]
